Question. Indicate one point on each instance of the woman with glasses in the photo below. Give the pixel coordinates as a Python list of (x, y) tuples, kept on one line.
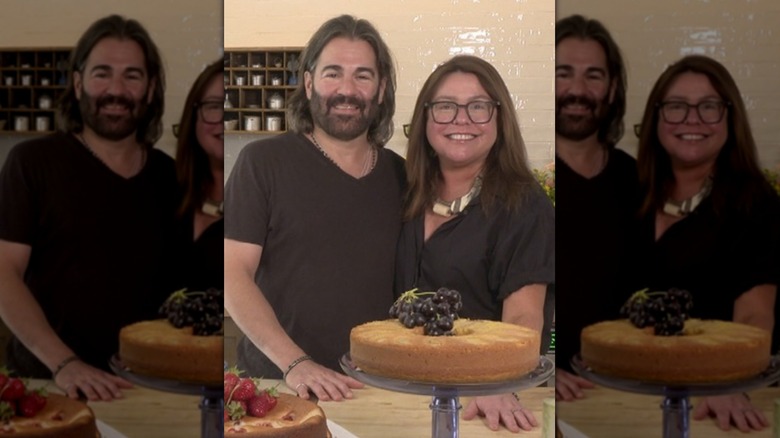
[(476, 219), (199, 168), (709, 219)]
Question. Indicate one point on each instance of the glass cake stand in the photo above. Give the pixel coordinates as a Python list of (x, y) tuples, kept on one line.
[(676, 406), (211, 404), (445, 404)]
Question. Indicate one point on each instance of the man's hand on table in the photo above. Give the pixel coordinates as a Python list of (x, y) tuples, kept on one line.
[(326, 384), (94, 383), (501, 409), (729, 410), (569, 387)]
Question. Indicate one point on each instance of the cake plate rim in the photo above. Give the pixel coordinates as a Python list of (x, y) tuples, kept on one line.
[(770, 375), (161, 384), (541, 374)]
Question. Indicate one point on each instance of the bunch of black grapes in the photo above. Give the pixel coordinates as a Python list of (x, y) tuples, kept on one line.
[(435, 312), (203, 310), (665, 311)]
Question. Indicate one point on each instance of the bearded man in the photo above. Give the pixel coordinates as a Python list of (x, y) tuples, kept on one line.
[(84, 215), (312, 216), (596, 187)]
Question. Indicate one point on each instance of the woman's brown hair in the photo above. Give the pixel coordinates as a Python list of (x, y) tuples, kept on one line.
[(737, 174), (506, 175), (192, 164)]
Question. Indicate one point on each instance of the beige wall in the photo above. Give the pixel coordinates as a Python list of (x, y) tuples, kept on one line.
[(517, 36), (187, 32), (742, 34)]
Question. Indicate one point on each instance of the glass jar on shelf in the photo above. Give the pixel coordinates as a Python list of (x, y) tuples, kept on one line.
[(276, 101)]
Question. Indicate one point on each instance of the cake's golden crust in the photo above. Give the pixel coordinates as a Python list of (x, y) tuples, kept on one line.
[(708, 351), (156, 348), (61, 417), (479, 352), (292, 417)]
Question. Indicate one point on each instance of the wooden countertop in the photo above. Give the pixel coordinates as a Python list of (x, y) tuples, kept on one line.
[(378, 413), (607, 413), (146, 413)]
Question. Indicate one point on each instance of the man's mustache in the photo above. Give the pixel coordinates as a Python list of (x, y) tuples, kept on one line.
[(115, 100), (348, 100), (577, 100)]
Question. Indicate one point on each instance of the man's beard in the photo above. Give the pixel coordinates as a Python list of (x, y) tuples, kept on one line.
[(579, 127), (343, 127), (111, 127)]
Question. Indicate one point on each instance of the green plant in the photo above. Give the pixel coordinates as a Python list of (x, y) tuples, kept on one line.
[(546, 178), (773, 176)]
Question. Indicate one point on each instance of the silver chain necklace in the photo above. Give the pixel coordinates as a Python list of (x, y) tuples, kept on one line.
[(368, 164), (83, 141)]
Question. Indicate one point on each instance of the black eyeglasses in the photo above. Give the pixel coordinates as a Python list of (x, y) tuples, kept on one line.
[(479, 111), (709, 111), (211, 111)]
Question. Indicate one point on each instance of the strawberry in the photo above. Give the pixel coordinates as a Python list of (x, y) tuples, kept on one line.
[(245, 389), (31, 403), (6, 411), (13, 390), (4, 373), (235, 410), (261, 404), (233, 373), (228, 390), (231, 380)]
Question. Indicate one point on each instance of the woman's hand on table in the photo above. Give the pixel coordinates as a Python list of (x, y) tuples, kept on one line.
[(94, 383), (324, 383), (734, 409), (568, 387), (501, 409)]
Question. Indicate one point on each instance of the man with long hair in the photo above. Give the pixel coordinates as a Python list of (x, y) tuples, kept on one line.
[(312, 216), (84, 213), (596, 186)]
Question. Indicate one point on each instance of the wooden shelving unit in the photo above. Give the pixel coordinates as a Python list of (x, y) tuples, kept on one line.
[(258, 84), (31, 81)]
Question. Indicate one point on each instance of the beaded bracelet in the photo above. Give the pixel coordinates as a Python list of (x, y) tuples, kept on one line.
[(62, 365), (295, 363)]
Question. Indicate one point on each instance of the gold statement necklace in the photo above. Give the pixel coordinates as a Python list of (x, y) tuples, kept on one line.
[(686, 206), (213, 208), (450, 208)]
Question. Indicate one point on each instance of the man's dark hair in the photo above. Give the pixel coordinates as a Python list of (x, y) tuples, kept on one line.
[(298, 113), (114, 26), (577, 26)]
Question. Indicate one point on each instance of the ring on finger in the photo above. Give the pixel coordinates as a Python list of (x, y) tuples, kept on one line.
[(301, 384)]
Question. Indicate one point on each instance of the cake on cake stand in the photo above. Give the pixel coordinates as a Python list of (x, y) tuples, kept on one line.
[(676, 405), (445, 402), (211, 404)]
